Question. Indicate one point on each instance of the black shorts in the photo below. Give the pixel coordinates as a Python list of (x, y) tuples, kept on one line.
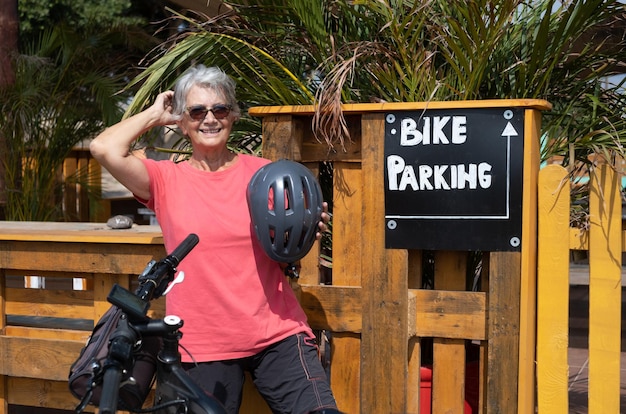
[(288, 374)]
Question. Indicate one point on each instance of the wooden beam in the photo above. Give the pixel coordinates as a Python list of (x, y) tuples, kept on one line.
[(53, 357), (553, 276), (432, 313), (503, 327), (334, 308), (384, 338), (77, 257), (450, 314)]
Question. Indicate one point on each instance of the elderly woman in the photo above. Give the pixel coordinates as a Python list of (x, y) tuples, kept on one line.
[(240, 313)]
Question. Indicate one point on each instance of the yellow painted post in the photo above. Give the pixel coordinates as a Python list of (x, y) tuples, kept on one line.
[(528, 265), (553, 290), (605, 291)]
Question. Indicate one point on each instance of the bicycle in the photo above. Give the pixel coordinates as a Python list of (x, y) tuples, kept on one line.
[(175, 391)]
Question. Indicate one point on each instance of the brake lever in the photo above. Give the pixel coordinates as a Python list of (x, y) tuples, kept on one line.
[(178, 279)]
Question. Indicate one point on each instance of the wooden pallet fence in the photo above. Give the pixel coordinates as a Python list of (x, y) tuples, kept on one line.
[(43, 330), (388, 331), (410, 331), (604, 241)]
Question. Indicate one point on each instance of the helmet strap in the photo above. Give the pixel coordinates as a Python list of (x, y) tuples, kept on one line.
[(292, 271)]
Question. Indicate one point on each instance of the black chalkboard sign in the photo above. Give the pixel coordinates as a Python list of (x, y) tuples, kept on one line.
[(453, 179)]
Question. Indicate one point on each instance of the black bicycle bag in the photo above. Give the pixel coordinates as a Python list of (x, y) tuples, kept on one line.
[(86, 373)]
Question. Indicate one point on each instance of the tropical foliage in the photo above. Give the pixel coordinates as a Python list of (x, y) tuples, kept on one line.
[(338, 51), (64, 92), (38, 15), (73, 58)]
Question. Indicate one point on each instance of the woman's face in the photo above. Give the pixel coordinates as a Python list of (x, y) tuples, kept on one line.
[(207, 120)]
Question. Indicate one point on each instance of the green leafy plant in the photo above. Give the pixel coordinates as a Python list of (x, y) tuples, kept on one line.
[(64, 93), (292, 52), (328, 53)]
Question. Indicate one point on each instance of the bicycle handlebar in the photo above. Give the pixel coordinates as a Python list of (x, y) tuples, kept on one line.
[(157, 275), (184, 248), (110, 392), (153, 282)]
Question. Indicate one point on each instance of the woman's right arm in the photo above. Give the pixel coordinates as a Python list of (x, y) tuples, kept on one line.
[(112, 147)]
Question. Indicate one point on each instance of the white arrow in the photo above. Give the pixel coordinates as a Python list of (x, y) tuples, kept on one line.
[(509, 131)]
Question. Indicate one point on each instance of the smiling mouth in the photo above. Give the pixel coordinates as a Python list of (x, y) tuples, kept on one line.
[(210, 130)]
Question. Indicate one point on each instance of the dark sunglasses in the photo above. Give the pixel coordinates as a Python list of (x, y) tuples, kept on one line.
[(198, 113)]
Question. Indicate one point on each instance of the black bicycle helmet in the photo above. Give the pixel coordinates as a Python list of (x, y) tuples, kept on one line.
[(285, 202)]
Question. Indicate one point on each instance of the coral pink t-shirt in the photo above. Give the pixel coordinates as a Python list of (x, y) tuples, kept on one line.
[(234, 299)]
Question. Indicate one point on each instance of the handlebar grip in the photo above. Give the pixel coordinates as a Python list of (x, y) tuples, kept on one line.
[(110, 390), (185, 247)]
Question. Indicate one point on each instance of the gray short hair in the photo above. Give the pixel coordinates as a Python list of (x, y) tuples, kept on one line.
[(207, 77)]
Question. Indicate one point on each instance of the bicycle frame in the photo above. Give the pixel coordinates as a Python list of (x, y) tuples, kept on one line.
[(175, 392)]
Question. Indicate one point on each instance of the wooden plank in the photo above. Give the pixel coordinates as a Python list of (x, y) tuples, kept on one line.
[(103, 283), (395, 324), (69, 188), (282, 138), (553, 290), (117, 258), (384, 353), (332, 307), (4, 392), (347, 227), (413, 375), (53, 303), (313, 149), (372, 108), (37, 358), (310, 272), (345, 373), (48, 274), (100, 209), (448, 385), (445, 314), (4, 395), (484, 345), (449, 314), (42, 353), (52, 323), (528, 266), (78, 232), (3, 294), (32, 392), (578, 239), (605, 291), (82, 195), (46, 333), (503, 329)]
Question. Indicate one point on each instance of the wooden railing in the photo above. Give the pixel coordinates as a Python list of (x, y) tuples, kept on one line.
[(43, 330), (604, 241)]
